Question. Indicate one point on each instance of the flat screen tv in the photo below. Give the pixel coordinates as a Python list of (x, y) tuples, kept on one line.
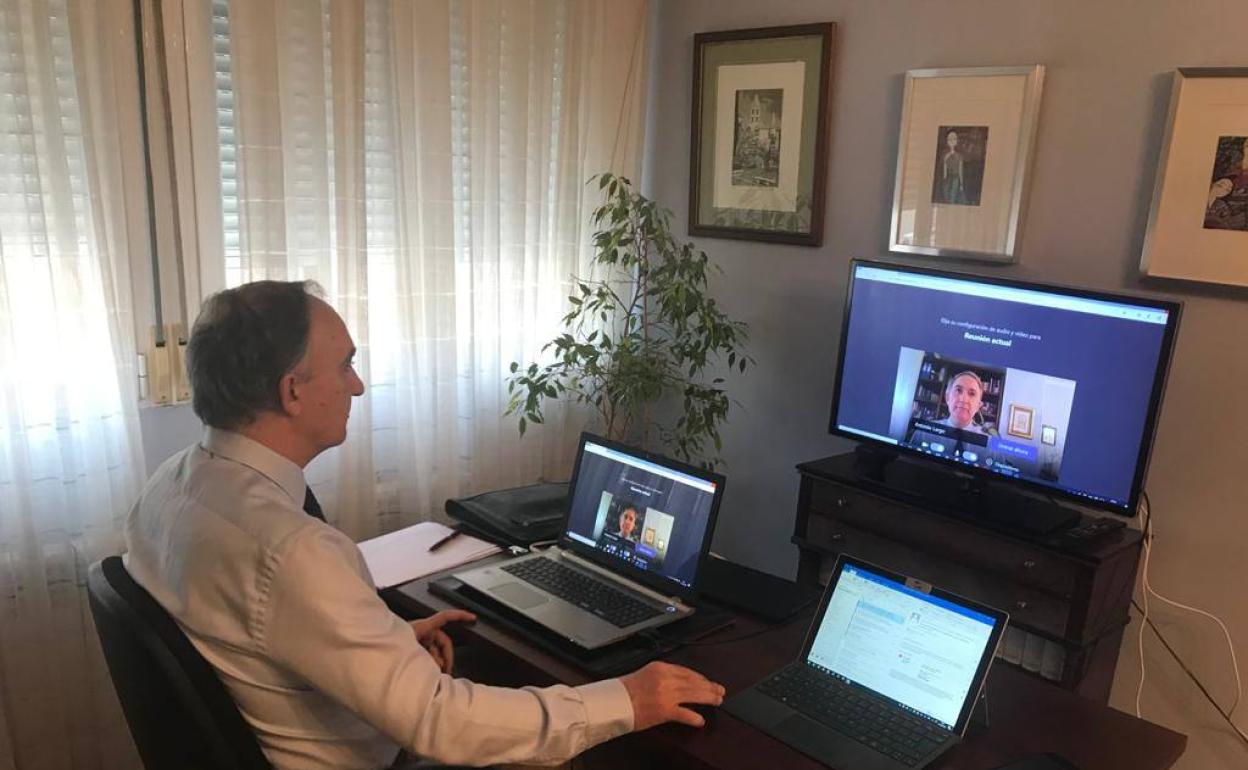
[(1049, 388)]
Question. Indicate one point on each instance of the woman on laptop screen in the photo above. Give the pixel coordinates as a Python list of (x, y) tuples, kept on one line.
[(627, 521)]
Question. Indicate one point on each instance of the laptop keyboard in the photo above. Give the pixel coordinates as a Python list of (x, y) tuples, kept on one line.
[(904, 737), (610, 604)]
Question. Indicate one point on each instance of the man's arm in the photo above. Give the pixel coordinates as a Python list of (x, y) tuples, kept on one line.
[(324, 621)]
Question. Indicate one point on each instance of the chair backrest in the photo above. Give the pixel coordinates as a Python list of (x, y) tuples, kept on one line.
[(179, 712)]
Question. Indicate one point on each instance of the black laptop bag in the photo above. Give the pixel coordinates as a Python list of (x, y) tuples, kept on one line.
[(517, 516)]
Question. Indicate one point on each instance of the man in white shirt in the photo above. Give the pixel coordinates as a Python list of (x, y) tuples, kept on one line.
[(230, 541)]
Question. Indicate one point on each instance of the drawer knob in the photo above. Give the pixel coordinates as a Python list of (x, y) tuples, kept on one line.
[(1029, 564), (837, 537), (1020, 604), (842, 502)]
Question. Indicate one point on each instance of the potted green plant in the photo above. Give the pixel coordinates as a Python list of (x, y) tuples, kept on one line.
[(641, 330)]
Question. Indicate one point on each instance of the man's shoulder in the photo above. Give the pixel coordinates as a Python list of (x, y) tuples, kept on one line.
[(198, 490), (200, 513)]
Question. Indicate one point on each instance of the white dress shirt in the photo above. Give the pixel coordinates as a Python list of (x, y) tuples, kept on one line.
[(283, 607)]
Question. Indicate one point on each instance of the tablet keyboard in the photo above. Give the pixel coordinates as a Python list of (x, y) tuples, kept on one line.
[(905, 737)]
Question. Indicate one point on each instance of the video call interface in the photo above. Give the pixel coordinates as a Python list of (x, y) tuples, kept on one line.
[(918, 650), (1028, 384), (644, 514)]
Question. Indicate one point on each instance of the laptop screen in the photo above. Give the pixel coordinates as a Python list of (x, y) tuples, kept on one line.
[(640, 512), (919, 650)]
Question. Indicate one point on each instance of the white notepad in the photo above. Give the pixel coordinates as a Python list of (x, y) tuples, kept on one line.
[(403, 555)]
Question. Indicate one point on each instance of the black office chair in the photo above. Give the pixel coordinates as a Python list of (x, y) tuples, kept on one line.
[(179, 713)]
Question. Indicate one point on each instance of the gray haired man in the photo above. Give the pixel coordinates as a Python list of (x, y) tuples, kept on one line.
[(230, 540)]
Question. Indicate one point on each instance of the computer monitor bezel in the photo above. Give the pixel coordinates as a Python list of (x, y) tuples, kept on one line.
[(652, 580), (1000, 620), (1160, 376)]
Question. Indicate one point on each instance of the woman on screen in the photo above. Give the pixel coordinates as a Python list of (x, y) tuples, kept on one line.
[(628, 523)]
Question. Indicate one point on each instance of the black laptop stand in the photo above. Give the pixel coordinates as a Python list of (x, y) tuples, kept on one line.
[(614, 659)]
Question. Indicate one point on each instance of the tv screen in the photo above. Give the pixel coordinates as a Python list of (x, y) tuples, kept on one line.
[(1047, 387)]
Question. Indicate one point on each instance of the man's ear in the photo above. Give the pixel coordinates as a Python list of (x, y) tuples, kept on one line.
[(288, 394)]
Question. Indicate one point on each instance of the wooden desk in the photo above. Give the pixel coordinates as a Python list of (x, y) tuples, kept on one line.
[(1026, 714)]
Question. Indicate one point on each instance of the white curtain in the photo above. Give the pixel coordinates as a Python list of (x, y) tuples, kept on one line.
[(424, 161), (70, 456)]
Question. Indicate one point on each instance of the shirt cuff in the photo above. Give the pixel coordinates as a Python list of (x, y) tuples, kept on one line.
[(608, 710)]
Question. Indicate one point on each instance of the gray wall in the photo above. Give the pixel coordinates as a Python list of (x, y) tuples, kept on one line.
[(1101, 123)]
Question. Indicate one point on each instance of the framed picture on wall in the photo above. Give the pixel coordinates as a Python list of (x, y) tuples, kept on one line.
[(758, 154), (1198, 224), (1021, 418), (963, 156)]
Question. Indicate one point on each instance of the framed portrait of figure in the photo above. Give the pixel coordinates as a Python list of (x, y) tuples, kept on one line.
[(963, 156), (759, 133), (1198, 223)]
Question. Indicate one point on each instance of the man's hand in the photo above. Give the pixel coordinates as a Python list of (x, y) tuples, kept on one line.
[(431, 636), (658, 690)]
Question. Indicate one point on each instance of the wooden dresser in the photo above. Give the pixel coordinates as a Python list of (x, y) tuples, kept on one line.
[(1068, 600)]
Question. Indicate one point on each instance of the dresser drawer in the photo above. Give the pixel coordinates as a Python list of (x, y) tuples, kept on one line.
[(947, 538), (1027, 606)]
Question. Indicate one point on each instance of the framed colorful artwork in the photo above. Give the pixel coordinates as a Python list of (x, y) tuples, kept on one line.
[(1198, 223)]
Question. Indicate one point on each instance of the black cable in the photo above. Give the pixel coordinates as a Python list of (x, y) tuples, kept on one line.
[(1147, 532)]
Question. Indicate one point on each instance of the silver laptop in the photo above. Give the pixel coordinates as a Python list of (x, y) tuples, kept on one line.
[(639, 526), (888, 677)]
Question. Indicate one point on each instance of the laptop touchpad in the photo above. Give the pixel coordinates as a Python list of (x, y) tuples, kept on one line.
[(518, 595), (806, 733)]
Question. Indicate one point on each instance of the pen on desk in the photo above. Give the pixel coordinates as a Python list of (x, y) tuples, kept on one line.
[(444, 540)]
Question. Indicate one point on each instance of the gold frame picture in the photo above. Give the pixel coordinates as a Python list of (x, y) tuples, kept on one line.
[(1015, 428)]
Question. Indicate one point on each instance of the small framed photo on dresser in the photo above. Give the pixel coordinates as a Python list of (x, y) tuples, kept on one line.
[(758, 150), (963, 156)]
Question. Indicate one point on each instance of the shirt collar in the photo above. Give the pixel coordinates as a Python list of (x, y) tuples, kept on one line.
[(258, 457)]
